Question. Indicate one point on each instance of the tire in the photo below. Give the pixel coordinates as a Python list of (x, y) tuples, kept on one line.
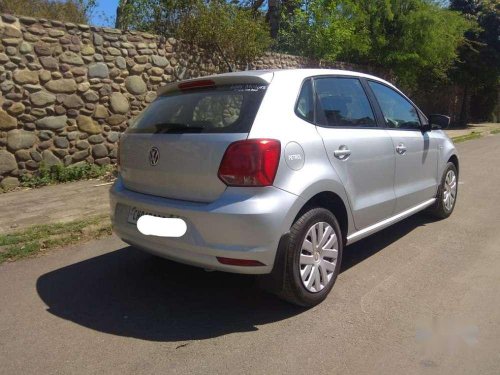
[(313, 289), (446, 197)]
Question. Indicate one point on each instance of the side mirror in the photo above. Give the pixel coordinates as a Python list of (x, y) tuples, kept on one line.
[(440, 121)]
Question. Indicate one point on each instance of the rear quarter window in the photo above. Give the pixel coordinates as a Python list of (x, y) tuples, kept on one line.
[(220, 109), (304, 107)]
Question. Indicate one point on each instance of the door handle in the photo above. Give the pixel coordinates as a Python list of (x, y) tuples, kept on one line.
[(401, 149), (342, 153)]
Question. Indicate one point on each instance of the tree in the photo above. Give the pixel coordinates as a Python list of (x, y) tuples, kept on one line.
[(121, 12), (239, 32), (156, 16), (236, 32), (422, 42), (77, 11), (477, 69), (412, 38), (324, 30)]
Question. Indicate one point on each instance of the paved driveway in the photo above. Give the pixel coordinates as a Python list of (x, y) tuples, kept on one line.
[(422, 297)]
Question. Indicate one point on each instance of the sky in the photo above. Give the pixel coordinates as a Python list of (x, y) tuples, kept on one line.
[(105, 12)]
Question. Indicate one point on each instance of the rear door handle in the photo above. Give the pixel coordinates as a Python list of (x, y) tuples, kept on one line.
[(401, 149), (342, 153)]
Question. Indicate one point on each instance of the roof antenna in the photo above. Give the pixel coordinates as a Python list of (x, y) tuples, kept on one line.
[(224, 57)]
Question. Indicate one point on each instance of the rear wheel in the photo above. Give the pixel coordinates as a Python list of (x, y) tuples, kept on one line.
[(312, 258), (447, 193)]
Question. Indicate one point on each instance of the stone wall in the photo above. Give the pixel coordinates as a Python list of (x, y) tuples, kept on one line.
[(67, 91)]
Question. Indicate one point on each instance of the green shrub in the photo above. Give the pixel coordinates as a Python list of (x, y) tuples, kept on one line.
[(58, 173)]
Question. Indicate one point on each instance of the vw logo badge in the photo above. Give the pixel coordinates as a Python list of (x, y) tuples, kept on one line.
[(154, 156)]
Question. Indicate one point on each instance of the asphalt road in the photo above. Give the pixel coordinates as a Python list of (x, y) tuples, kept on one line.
[(422, 297)]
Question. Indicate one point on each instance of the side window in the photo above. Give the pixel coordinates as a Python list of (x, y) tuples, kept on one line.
[(305, 103), (398, 112), (342, 102)]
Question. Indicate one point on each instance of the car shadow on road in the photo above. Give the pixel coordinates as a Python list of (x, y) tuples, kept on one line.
[(133, 294), (371, 245)]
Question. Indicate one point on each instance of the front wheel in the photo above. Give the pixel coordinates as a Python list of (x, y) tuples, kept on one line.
[(447, 193), (312, 258)]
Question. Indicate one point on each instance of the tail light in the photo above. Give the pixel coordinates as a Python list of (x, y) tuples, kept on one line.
[(251, 162)]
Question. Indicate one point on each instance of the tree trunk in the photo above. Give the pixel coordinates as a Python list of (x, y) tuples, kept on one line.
[(120, 15), (273, 18), (464, 111)]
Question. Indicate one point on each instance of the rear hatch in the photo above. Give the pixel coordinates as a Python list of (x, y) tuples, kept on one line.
[(175, 146)]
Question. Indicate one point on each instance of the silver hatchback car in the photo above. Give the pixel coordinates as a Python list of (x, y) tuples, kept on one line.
[(275, 172)]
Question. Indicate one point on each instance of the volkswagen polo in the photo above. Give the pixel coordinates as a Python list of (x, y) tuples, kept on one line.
[(274, 172)]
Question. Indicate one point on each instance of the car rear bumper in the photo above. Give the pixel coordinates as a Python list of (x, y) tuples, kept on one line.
[(243, 223)]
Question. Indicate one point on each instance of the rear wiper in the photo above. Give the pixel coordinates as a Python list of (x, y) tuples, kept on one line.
[(171, 127)]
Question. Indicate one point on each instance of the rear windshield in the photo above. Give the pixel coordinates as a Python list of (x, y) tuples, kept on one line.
[(220, 109)]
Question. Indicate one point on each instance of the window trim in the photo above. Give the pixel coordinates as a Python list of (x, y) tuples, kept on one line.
[(313, 100), (372, 99), (372, 107), (418, 111)]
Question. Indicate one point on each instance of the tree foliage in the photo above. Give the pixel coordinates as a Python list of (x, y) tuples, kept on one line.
[(425, 43), (406, 36), (325, 30), (77, 11), (416, 39), (477, 68), (216, 25), (157, 16)]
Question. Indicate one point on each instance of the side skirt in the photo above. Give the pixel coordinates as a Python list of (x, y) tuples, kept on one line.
[(356, 236)]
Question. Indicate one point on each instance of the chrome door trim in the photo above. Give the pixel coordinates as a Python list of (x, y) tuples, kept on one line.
[(356, 236)]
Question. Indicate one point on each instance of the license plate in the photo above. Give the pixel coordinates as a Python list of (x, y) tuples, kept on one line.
[(135, 213)]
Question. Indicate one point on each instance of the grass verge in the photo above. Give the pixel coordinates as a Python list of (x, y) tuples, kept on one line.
[(39, 238), (467, 137), (495, 131), (58, 174)]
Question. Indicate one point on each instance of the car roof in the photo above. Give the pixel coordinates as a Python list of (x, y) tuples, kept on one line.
[(299, 73), (266, 76)]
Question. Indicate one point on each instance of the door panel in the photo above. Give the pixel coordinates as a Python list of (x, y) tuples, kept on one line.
[(367, 172), (416, 169), (361, 153), (416, 152)]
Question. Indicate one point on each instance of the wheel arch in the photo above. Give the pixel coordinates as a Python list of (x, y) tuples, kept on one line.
[(454, 159), (332, 202), (317, 195)]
